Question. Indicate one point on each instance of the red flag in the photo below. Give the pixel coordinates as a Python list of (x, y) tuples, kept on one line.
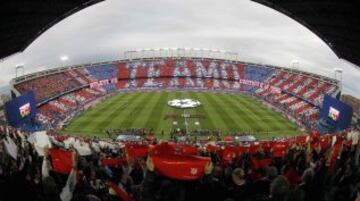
[(230, 153), (61, 160), (164, 148), (188, 150), (120, 192), (180, 167), (211, 148), (279, 149), (137, 150), (324, 142)]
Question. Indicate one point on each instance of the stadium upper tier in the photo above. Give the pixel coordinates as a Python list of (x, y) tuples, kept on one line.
[(60, 91)]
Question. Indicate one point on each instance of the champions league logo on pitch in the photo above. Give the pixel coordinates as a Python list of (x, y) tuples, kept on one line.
[(184, 103)]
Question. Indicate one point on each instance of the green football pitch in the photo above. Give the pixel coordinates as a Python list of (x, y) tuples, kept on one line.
[(149, 110)]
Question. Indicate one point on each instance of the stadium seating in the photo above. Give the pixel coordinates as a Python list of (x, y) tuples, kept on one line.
[(56, 111), (49, 86), (256, 73), (102, 72), (301, 94)]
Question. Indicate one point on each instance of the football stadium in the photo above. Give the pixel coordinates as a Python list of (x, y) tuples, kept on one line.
[(161, 124)]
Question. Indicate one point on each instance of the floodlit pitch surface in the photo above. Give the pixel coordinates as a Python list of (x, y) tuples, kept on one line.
[(226, 112)]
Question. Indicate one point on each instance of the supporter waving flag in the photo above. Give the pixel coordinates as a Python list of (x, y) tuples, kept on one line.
[(188, 150), (61, 160), (164, 148), (136, 150), (180, 167)]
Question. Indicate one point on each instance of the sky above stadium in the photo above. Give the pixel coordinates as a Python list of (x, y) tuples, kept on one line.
[(257, 33)]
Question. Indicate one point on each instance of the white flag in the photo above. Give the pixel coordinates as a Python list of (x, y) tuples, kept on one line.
[(10, 147)]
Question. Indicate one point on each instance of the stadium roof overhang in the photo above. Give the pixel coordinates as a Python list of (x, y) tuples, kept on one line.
[(337, 23), (22, 21)]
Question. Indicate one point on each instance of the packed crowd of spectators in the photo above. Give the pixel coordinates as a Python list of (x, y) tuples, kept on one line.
[(48, 86), (306, 119), (101, 72), (301, 94), (56, 111), (300, 97), (53, 166)]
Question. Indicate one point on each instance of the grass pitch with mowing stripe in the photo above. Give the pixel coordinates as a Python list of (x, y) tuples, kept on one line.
[(227, 112)]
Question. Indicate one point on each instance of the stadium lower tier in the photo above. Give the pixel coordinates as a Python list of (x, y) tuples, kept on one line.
[(52, 166)]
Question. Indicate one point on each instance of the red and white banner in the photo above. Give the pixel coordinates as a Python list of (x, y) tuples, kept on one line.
[(260, 85)]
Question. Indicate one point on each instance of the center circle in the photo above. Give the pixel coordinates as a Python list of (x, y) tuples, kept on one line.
[(186, 103)]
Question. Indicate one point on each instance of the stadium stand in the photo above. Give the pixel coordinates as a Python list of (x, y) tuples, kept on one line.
[(49, 86), (101, 72), (54, 112), (296, 93), (53, 166)]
